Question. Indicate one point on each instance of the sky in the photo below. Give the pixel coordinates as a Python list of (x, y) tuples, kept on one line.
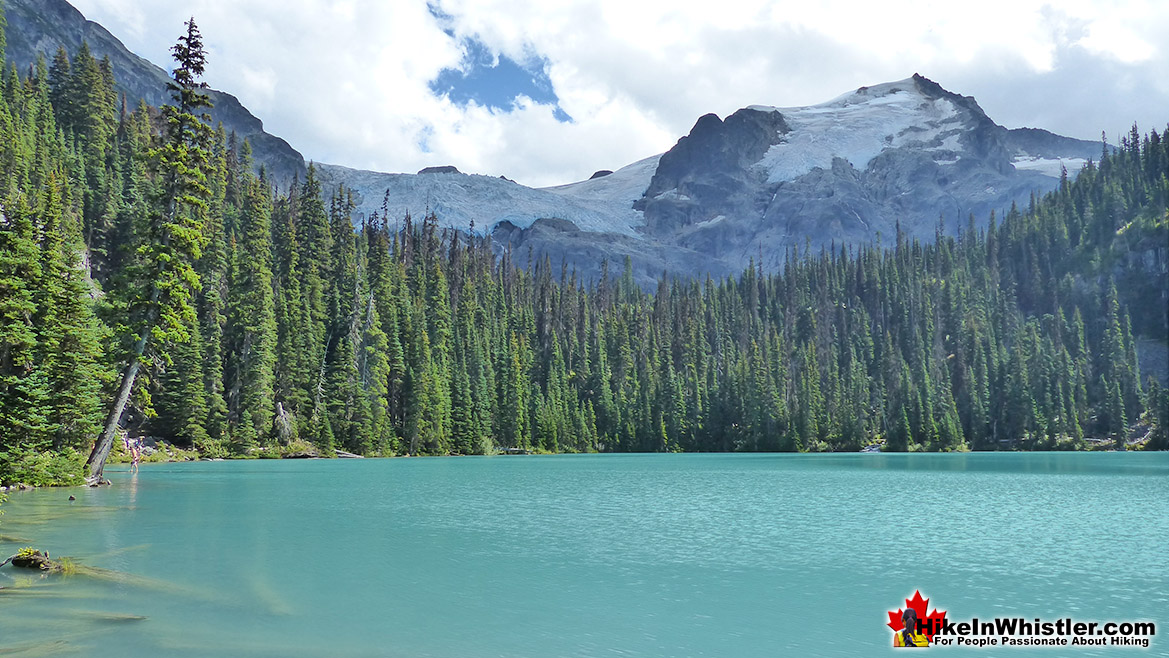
[(546, 93)]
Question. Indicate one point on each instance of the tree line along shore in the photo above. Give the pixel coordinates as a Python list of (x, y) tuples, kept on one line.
[(153, 282)]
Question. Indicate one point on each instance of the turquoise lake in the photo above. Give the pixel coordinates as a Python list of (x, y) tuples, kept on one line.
[(585, 555)]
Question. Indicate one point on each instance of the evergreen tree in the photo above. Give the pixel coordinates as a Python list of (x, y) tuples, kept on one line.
[(174, 239), (252, 318), (69, 333), (265, 318), (23, 390)]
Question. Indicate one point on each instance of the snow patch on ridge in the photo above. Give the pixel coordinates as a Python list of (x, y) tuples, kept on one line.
[(603, 205), (628, 183), (858, 126), (614, 194), (1048, 166)]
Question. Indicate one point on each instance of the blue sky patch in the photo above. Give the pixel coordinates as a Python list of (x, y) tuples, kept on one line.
[(424, 136), (445, 20), (495, 81)]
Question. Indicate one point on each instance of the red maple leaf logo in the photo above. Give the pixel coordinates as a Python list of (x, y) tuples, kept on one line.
[(930, 624)]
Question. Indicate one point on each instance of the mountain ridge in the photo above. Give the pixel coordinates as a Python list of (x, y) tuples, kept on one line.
[(905, 155), (37, 28)]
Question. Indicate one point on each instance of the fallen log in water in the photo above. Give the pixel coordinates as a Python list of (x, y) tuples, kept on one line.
[(28, 558)]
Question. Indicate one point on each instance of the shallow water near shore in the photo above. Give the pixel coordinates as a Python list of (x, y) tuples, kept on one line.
[(585, 555)]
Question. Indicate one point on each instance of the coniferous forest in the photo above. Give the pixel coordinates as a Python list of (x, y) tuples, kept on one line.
[(152, 281)]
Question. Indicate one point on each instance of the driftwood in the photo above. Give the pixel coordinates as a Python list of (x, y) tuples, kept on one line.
[(35, 560), (311, 453)]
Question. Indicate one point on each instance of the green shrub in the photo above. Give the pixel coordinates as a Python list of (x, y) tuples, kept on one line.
[(165, 452), (297, 445), (42, 469), (214, 449)]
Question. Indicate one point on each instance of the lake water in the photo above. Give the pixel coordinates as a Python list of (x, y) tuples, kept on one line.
[(590, 555)]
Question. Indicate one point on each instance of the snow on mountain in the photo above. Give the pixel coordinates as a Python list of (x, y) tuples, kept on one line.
[(616, 192), (1053, 167), (900, 155), (602, 205), (860, 125)]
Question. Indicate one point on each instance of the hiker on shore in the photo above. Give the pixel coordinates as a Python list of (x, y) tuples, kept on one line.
[(135, 452)]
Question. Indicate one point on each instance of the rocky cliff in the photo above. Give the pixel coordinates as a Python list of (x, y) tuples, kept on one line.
[(848, 171), (759, 183), (751, 186), (37, 28)]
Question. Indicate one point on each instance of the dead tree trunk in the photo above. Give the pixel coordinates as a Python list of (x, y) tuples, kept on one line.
[(101, 448)]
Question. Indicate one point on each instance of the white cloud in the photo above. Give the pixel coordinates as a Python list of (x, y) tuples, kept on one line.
[(1115, 39), (346, 81), (259, 86)]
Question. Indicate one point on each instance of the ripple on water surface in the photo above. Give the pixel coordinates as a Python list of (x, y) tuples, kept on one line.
[(588, 555)]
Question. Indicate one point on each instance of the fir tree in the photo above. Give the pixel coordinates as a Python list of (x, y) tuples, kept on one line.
[(252, 318), (174, 239)]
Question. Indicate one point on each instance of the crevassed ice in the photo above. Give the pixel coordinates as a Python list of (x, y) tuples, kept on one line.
[(858, 126), (601, 205), (627, 184), (1048, 166)]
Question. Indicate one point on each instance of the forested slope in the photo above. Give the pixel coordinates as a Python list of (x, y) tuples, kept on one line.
[(400, 337)]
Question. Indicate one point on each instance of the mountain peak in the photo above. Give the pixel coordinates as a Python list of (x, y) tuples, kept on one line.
[(914, 85), (858, 126), (762, 180), (916, 89), (846, 170)]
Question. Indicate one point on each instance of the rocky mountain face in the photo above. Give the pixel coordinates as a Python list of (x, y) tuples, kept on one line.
[(37, 28), (759, 183), (749, 187), (847, 171)]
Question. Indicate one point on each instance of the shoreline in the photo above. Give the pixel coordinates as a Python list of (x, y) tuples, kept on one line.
[(1135, 447)]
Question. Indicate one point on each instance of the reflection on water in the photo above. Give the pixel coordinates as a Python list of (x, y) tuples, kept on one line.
[(591, 555)]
